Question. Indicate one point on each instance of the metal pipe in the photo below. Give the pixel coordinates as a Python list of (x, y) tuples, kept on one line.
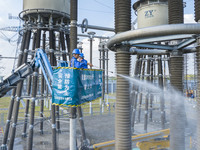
[(54, 48), (96, 27), (100, 53), (24, 134), (82, 127), (135, 94), (72, 117), (163, 30), (146, 112), (42, 88), (91, 41), (67, 43), (95, 36), (62, 42), (135, 51), (32, 114), (33, 95), (103, 74), (41, 114), (57, 120), (162, 100), (53, 124), (151, 95), (17, 102), (107, 71)]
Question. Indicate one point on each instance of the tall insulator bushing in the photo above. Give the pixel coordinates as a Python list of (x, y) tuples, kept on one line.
[(176, 11), (197, 10), (122, 16), (122, 111)]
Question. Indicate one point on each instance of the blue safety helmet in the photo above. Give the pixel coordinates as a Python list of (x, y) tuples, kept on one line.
[(82, 55), (76, 51)]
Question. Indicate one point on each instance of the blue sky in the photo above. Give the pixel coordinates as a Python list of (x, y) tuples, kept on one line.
[(98, 12)]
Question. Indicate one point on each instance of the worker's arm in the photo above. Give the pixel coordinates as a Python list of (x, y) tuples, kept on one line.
[(90, 64)]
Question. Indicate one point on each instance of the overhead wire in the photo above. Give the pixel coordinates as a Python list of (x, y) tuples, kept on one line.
[(103, 4)]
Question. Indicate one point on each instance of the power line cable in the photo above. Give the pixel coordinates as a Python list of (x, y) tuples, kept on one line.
[(103, 4), (95, 10)]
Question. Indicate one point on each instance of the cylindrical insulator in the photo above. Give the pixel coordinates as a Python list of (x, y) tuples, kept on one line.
[(198, 93), (122, 15), (73, 28), (197, 10), (176, 71), (176, 11), (73, 9), (122, 120), (177, 112)]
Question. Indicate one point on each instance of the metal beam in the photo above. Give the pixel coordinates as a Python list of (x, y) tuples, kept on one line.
[(154, 46), (185, 43), (148, 52), (156, 31), (161, 38)]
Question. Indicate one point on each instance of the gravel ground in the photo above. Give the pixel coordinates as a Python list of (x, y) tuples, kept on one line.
[(98, 129)]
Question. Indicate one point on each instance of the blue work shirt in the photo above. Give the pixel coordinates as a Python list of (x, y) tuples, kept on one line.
[(83, 64), (75, 63)]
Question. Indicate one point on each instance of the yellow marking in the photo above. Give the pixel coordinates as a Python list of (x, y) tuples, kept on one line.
[(134, 138)]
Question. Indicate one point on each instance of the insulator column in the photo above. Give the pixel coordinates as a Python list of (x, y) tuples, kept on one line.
[(162, 100), (6, 132), (82, 127), (73, 28), (197, 10), (135, 94), (62, 42), (122, 120), (123, 105), (177, 122), (32, 113), (176, 11), (33, 95), (177, 115), (19, 92), (24, 134), (57, 119), (53, 121), (146, 112), (198, 92)]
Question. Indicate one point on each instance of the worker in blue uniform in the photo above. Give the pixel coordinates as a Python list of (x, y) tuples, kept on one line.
[(74, 61), (83, 63)]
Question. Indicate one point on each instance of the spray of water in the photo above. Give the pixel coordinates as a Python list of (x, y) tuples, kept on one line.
[(180, 107)]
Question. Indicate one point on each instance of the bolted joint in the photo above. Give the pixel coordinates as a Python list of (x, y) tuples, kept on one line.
[(3, 147), (14, 125), (176, 53), (18, 99), (53, 126), (31, 127), (33, 99), (73, 23)]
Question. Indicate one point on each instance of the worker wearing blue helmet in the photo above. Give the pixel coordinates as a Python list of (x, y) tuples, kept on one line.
[(83, 63), (74, 61)]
